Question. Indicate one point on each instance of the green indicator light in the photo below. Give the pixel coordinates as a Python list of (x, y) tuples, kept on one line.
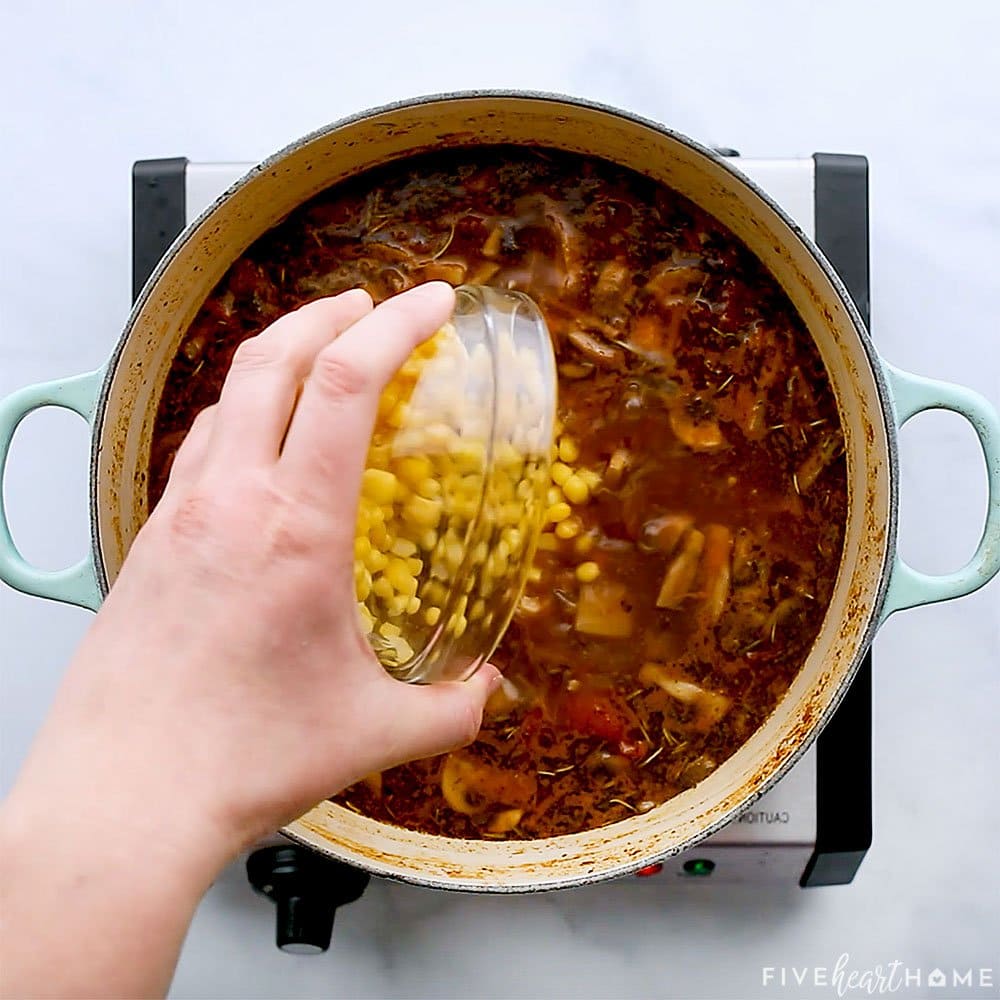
[(699, 866)]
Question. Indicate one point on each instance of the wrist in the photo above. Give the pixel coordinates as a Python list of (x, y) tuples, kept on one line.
[(83, 795), (121, 896), (97, 834)]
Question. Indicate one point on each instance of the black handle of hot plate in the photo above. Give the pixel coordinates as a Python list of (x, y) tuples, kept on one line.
[(306, 888)]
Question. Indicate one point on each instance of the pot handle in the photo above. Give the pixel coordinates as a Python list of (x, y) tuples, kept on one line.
[(912, 394), (77, 584)]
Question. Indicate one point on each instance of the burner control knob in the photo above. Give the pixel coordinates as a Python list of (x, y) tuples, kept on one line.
[(307, 889)]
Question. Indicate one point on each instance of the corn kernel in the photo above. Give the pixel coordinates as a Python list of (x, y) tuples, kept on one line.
[(422, 512), (415, 566), (429, 488), (576, 490), (396, 417), (553, 495), (453, 555), (400, 577), (460, 625), (588, 572), (413, 605), (477, 610), (376, 561), (569, 528), (507, 456), (583, 544), (569, 450), (378, 454), (511, 513), (560, 473), (432, 616), (548, 542), (591, 479), (389, 631), (378, 485), (364, 520), (428, 539), (362, 546), (558, 512), (396, 605), (512, 536), (402, 547), (413, 469), (469, 456), (383, 588), (466, 510)]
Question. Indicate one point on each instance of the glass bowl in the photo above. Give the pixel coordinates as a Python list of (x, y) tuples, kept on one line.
[(453, 492)]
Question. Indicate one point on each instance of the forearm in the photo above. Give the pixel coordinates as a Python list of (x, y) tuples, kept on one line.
[(96, 887)]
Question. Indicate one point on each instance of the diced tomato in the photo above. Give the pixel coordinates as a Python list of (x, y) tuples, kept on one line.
[(594, 714)]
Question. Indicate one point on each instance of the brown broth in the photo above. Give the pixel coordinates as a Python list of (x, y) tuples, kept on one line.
[(678, 352)]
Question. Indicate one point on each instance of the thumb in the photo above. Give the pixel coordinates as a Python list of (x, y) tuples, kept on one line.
[(435, 718)]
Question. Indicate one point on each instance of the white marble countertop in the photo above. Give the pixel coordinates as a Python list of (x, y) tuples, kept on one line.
[(88, 88)]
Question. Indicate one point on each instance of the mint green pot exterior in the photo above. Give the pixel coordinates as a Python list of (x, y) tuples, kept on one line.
[(875, 400)]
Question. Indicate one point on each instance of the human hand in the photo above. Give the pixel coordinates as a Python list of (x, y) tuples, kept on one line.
[(227, 666), (225, 686)]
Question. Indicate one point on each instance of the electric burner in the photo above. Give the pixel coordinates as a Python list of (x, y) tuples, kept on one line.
[(814, 826)]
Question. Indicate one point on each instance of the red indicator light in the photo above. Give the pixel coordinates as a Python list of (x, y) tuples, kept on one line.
[(653, 869)]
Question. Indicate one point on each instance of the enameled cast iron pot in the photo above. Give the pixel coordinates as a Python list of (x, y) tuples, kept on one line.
[(120, 401)]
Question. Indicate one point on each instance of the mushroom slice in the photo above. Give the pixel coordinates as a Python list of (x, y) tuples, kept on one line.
[(600, 352), (665, 532), (679, 578), (505, 820), (618, 465), (709, 706), (612, 291), (457, 779), (471, 786)]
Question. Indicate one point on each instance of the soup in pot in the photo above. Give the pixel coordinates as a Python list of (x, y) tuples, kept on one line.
[(696, 513)]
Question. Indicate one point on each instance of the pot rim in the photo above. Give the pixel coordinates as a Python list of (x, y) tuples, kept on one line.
[(871, 355)]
